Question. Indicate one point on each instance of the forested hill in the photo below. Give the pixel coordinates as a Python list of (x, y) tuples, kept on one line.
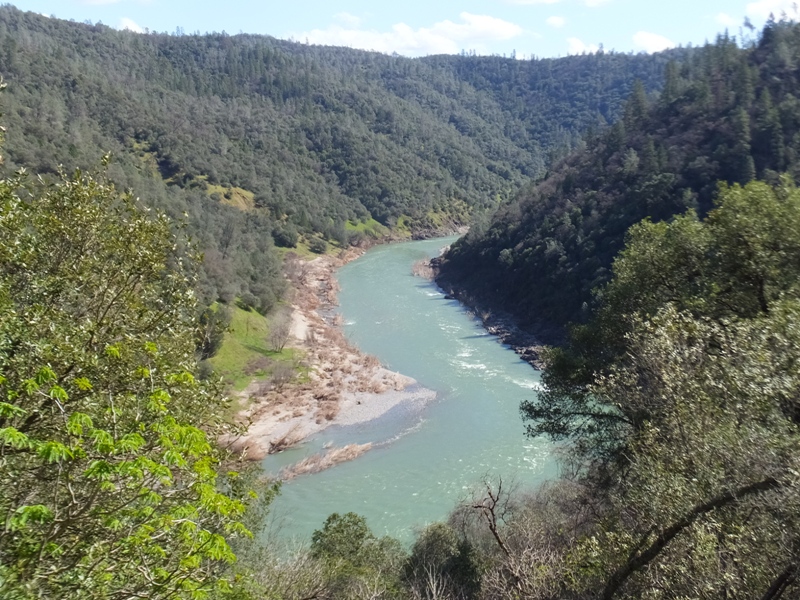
[(308, 140), (319, 135), (726, 114)]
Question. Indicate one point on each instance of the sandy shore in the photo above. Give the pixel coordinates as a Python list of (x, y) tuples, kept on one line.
[(344, 386), (362, 407)]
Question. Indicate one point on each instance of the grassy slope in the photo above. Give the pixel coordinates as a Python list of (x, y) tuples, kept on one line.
[(245, 354), (370, 228), (234, 196)]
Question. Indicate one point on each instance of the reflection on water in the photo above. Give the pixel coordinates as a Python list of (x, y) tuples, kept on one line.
[(424, 461)]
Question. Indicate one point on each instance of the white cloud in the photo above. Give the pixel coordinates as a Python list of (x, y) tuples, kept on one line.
[(763, 8), (445, 37), (130, 25), (651, 42), (726, 20), (348, 20), (576, 46), (556, 22)]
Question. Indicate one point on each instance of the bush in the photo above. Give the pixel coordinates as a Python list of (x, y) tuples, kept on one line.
[(439, 559), (247, 301), (355, 559), (285, 236), (318, 245)]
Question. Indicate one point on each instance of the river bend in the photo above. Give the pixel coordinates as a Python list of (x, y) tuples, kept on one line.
[(425, 461)]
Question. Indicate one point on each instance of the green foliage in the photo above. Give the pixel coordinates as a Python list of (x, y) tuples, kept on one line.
[(108, 485), (354, 558), (213, 323), (440, 559), (710, 470), (729, 114), (286, 236), (342, 537), (245, 351), (681, 398), (737, 264), (363, 231), (318, 245)]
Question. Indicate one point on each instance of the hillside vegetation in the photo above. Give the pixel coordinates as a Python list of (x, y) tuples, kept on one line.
[(109, 486), (725, 114), (263, 142), (682, 467)]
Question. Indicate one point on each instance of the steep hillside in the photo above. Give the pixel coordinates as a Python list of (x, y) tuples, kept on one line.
[(726, 114), (318, 135), (263, 142)]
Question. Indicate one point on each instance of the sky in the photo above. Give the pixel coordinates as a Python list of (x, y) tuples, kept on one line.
[(524, 28)]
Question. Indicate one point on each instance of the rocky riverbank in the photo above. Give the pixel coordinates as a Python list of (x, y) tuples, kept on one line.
[(503, 325), (344, 386)]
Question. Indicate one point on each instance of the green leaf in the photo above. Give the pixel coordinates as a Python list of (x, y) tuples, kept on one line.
[(83, 384), (182, 378), (37, 513), (130, 442), (9, 410), (30, 386), (58, 393), (99, 469), (174, 458), (45, 375), (103, 441), (78, 422), (16, 439), (52, 452), (159, 400)]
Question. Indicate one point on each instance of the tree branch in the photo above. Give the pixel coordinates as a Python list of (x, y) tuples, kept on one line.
[(781, 583), (667, 535)]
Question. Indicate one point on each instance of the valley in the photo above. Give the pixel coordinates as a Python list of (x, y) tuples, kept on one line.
[(244, 356)]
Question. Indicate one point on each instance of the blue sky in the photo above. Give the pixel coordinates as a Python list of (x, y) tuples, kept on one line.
[(539, 28)]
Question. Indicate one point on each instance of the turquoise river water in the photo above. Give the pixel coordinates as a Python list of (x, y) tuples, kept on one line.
[(425, 460)]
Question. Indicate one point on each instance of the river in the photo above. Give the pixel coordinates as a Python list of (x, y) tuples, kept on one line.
[(428, 460)]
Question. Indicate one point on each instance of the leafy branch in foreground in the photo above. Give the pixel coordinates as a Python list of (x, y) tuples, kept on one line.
[(108, 480)]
